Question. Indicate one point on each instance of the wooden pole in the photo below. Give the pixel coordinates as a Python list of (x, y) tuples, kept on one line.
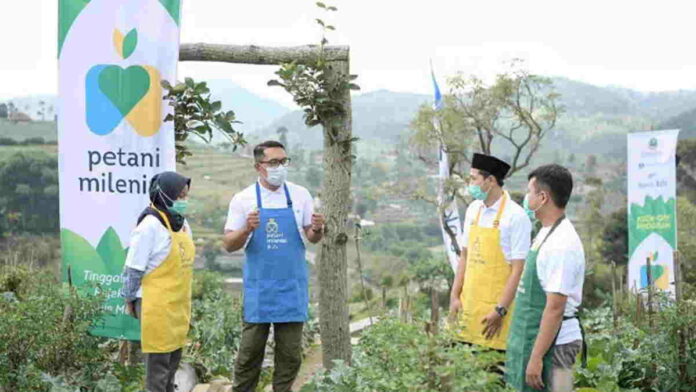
[(650, 293), (614, 294), (434, 309), (360, 271), (677, 277), (333, 259), (678, 298)]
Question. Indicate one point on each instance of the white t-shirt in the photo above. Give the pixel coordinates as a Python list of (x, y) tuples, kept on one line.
[(515, 226), (150, 243), (561, 269), (244, 202)]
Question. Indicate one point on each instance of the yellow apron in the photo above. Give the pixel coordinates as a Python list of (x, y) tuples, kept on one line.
[(166, 306), (487, 272)]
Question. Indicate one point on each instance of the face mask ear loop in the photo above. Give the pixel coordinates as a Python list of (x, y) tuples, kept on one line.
[(164, 195)]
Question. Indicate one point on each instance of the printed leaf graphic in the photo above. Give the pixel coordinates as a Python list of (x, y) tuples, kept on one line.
[(80, 255), (129, 43), (111, 251)]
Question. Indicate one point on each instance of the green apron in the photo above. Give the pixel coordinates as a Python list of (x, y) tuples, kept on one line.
[(526, 320)]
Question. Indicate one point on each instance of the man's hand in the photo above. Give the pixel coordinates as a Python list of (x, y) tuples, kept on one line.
[(533, 374), (492, 325), (455, 307), (253, 222), (318, 222)]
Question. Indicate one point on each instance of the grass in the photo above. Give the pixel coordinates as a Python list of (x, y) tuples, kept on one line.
[(21, 131), (216, 175), (7, 151)]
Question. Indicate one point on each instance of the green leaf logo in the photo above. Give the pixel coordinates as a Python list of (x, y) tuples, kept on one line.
[(101, 266), (125, 46)]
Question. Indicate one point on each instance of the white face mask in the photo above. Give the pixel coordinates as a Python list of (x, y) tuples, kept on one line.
[(277, 176)]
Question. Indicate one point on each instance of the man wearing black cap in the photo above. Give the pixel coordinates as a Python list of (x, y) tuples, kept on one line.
[(495, 240)]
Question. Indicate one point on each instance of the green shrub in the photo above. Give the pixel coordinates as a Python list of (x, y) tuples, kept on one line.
[(394, 356), (636, 356), (216, 327), (44, 336)]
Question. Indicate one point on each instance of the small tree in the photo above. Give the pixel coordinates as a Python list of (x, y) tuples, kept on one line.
[(3, 110), (517, 111)]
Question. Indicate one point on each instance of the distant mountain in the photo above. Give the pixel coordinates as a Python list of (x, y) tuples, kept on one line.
[(252, 110), (685, 121), (380, 115), (590, 111), (585, 99)]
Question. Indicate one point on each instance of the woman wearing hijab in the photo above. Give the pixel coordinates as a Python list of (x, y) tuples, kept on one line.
[(157, 278)]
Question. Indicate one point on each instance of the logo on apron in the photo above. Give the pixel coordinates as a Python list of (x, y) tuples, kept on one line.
[(274, 237), (271, 226)]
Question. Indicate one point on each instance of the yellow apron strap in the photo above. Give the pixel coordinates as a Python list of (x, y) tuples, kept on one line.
[(496, 222), (478, 216), (164, 217)]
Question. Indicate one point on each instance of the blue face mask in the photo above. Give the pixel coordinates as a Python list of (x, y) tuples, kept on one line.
[(476, 192)]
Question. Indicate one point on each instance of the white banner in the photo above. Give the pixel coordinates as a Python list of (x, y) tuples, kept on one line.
[(652, 223), (113, 55)]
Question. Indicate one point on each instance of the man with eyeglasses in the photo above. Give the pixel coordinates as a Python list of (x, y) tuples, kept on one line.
[(271, 220)]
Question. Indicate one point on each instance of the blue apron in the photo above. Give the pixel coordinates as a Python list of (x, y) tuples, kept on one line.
[(275, 271)]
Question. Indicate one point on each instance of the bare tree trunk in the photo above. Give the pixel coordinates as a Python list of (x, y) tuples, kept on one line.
[(333, 262)]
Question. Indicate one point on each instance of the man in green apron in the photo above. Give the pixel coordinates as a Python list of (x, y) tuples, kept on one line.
[(546, 336)]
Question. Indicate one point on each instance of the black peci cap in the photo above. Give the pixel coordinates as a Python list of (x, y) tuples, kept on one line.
[(490, 164)]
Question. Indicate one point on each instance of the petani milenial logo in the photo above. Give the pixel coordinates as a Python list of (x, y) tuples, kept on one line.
[(114, 93)]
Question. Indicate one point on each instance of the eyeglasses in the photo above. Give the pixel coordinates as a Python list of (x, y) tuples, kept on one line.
[(277, 162)]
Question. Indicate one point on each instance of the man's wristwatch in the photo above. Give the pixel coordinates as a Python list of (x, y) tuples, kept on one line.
[(501, 310)]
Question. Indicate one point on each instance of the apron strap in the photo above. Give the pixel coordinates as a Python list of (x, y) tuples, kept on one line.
[(553, 228), (164, 217), (583, 355), (287, 195), (258, 195), (496, 222)]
